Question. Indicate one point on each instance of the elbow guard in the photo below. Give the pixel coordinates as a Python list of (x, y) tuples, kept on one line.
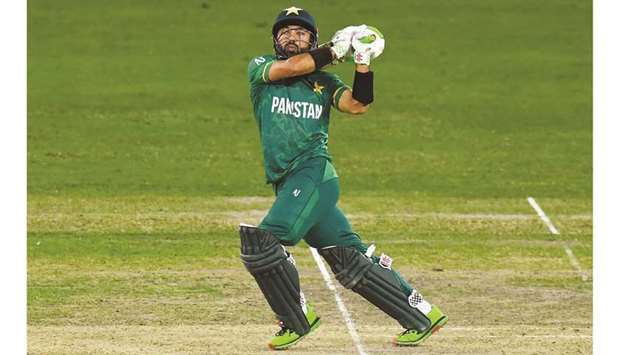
[(363, 87)]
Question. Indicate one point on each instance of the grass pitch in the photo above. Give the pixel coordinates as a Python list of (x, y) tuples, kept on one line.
[(143, 157), (152, 275)]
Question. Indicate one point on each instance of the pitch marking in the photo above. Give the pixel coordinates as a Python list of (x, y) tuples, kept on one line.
[(343, 310), (571, 257)]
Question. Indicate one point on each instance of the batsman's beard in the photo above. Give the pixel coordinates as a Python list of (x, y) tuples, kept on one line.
[(296, 47), (292, 48)]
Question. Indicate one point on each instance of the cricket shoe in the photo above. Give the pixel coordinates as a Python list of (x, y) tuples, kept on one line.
[(412, 337), (286, 337)]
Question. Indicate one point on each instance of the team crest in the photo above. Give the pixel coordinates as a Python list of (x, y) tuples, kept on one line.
[(318, 88)]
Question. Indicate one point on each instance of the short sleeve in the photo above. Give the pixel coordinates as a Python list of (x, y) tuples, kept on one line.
[(258, 69), (337, 94), (336, 88)]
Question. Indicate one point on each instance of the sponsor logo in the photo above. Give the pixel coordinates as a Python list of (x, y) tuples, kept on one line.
[(415, 298), (418, 302), (385, 261)]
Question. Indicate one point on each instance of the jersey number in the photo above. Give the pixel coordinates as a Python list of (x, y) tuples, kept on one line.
[(259, 60)]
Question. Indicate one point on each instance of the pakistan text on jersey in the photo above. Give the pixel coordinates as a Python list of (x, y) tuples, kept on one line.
[(296, 108)]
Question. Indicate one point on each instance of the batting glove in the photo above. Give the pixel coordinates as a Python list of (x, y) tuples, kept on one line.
[(368, 43), (341, 42)]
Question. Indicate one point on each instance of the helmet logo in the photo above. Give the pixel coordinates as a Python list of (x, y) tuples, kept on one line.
[(292, 10)]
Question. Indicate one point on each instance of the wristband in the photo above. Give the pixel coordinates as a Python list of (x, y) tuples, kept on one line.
[(322, 56), (363, 87)]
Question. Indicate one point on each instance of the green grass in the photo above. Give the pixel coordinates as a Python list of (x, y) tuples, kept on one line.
[(102, 249), (143, 155), (474, 99)]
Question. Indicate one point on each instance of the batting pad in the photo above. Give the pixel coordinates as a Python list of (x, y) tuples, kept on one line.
[(376, 284), (276, 275)]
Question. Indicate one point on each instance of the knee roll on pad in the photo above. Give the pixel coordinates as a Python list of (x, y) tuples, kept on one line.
[(276, 275), (376, 284)]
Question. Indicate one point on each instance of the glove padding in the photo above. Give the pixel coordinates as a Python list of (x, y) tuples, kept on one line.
[(367, 44), (341, 41)]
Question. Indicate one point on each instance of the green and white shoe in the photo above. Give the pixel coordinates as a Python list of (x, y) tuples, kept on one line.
[(286, 338), (412, 337)]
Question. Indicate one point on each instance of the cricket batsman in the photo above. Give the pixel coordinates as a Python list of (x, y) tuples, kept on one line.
[(292, 97)]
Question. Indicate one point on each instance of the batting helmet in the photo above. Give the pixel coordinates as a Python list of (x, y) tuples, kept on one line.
[(294, 16)]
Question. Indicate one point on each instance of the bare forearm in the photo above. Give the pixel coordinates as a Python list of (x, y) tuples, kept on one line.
[(301, 64), (362, 68)]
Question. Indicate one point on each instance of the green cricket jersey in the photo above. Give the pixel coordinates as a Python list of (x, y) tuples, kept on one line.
[(292, 115)]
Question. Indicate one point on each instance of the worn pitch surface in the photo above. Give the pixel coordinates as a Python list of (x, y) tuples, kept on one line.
[(147, 275)]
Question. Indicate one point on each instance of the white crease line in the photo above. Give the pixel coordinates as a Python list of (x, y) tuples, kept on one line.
[(575, 262), (343, 310), (571, 257), (542, 215)]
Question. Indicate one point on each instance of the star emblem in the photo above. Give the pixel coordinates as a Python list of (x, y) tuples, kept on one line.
[(318, 87), (292, 10)]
